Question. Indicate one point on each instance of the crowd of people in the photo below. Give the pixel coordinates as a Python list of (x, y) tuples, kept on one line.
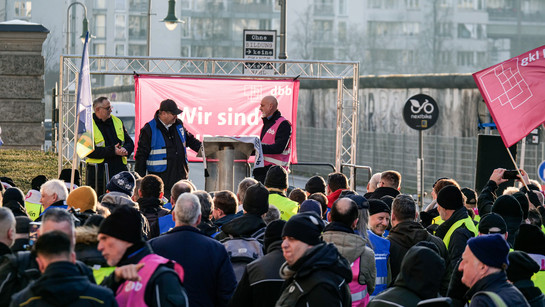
[(270, 244), (150, 238)]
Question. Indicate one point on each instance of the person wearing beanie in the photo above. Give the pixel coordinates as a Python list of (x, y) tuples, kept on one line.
[(123, 182), (509, 208), (520, 271), (261, 283), (66, 176), (344, 219), (406, 232), (457, 227), (483, 266), (416, 280), (277, 184), (315, 272), (524, 204), (83, 198), (121, 242), (315, 184), (14, 199), (275, 138), (32, 199), (311, 205), (209, 278), (379, 220), (250, 224), (22, 227)]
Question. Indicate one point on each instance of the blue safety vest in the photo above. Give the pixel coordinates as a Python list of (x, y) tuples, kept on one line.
[(157, 159), (381, 247)]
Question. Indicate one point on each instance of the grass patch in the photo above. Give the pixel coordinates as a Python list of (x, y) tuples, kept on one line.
[(23, 165)]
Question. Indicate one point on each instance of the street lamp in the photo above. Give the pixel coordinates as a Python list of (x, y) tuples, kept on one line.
[(85, 25), (171, 22)]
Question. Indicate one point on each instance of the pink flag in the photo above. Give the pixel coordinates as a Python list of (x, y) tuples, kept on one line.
[(514, 92)]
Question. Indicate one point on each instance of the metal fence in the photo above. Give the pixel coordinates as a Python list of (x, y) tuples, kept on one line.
[(453, 157)]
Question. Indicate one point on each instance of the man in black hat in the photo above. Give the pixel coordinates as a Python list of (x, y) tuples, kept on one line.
[(457, 227), (315, 272), (162, 146), (144, 277), (112, 144), (520, 271), (276, 182)]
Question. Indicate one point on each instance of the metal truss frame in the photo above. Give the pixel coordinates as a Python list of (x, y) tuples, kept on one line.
[(345, 73)]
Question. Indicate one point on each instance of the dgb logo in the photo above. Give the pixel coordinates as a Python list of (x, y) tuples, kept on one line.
[(281, 91)]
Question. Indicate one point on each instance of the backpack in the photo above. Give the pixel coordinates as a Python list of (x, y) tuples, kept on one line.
[(242, 251), (16, 272), (153, 215)]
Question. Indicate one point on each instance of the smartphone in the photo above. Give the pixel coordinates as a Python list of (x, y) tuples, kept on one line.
[(33, 232), (511, 174)]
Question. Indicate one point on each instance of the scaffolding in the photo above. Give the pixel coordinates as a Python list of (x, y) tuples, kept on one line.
[(345, 73)]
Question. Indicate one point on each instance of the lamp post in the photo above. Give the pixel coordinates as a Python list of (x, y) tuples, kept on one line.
[(85, 25), (282, 55)]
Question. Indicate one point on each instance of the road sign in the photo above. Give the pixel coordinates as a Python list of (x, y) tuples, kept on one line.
[(260, 44), (420, 112), (541, 171)]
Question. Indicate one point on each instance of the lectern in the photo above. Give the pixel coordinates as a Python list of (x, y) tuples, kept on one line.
[(221, 152)]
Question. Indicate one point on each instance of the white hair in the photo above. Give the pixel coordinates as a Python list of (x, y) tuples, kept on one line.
[(188, 209), (55, 186)]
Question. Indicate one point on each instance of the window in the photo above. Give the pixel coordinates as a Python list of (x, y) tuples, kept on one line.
[(411, 28), (465, 30), (137, 50), (465, 58), (120, 49), (137, 27), (100, 4), (99, 48), (444, 57), (100, 26), (323, 30), (185, 4), (120, 4), (342, 31), (408, 57), (412, 4), (185, 26), (342, 7), (23, 9), (323, 7), (120, 24), (466, 4), (184, 51), (444, 29)]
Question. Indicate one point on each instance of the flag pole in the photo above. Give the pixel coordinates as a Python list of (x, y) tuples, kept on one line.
[(517, 168), (74, 156)]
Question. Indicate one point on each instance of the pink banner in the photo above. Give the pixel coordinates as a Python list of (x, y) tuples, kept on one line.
[(216, 107), (514, 92)]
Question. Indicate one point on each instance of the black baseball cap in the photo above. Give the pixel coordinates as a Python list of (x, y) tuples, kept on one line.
[(169, 105)]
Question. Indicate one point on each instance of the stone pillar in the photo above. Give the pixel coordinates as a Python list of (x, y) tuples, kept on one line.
[(22, 84)]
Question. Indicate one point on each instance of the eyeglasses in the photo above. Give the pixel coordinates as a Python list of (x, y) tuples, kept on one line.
[(107, 108)]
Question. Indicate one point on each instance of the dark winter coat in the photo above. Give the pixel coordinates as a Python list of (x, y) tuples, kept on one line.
[(405, 235), (319, 278), (208, 275), (416, 281), (458, 239), (152, 209), (62, 285), (261, 282), (227, 218), (177, 167), (243, 226), (497, 283), (4, 250), (164, 287), (383, 191), (531, 293)]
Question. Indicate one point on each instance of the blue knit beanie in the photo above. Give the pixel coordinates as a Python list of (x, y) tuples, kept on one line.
[(491, 250)]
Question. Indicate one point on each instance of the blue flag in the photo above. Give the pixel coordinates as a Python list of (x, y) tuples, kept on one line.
[(84, 108)]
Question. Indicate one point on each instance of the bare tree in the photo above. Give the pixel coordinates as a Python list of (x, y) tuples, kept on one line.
[(303, 34)]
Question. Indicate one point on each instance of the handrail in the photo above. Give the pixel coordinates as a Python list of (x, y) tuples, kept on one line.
[(317, 164), (353, 182)]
